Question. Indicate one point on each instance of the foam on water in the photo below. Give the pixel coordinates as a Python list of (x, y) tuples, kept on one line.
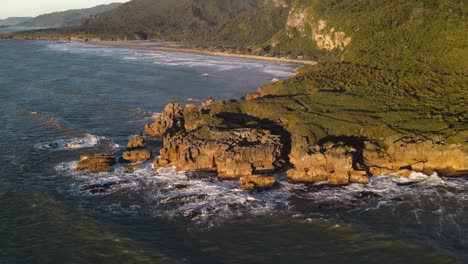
[(206, 200), (88, 141), (209, 65)]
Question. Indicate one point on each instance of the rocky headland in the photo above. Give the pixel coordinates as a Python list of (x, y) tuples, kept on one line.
[(218, 137)]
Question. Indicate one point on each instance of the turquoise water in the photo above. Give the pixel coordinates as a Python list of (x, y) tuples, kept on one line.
[(91, 99)]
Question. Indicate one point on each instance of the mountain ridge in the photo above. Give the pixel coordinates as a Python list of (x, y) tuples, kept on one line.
[(73, 17), (11, 21)]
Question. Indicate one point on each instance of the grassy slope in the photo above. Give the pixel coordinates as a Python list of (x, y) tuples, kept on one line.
[(404, 71), (67, 18)]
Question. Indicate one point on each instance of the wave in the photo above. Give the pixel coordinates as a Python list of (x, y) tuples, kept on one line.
[(88, 141), (206, 200), (179, 59)]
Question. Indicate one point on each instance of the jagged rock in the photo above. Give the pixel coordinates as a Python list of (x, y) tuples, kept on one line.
[(171, 118), (232, 154), (136, 141), (160, 163), (102, 187), (131, 168), (137, 155), (419, 154), (256, 182), (192, 118), (96, 163), (332, 163)]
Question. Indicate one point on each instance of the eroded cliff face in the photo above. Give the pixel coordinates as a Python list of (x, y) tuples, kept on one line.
[(416, 154), (197, 146), (302, 21), (191, 142)]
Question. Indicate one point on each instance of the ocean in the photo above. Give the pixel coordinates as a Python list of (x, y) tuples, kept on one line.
[(86, 99)]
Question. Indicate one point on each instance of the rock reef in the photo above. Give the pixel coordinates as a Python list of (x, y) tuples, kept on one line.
[(209, 139)]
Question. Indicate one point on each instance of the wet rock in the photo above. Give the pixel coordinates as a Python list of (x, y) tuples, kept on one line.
[(231, 154), (192, 214), (367, 194), (186, 198), (131, 168), (135, 142), (331, 162), (137, 155), (420, 154), (257, 182), (102, 187), (96, 163)]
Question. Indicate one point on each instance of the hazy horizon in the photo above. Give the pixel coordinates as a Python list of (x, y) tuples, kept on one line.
[(15, 8)]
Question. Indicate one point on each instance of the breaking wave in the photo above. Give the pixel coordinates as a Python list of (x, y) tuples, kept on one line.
[(208, 64), (204, 199), (88, 141)]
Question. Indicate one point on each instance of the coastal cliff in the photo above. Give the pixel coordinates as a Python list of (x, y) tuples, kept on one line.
[(388, 94), (237, 145)]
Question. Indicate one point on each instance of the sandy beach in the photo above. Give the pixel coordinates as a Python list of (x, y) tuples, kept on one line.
[(173, 47)]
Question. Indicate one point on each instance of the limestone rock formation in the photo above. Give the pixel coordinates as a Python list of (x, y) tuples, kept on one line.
[(171, 117), (137, 155), (131, 168), (96, 163), (331, 162), (417, 154), (232, 154), (257, 182), (135, 142)]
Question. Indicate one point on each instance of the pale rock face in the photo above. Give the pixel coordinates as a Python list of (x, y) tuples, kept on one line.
[(230, 155), (137, 155), (96, 163), (281, 3), (325, 37), (257, 182), (333, 164), (297, 19), (417, 154)]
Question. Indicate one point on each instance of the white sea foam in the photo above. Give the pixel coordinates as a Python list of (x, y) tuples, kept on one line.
[(179, 59), (207, 200), (88, 141)]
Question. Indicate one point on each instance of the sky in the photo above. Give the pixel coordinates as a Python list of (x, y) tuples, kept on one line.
[(21, 8)]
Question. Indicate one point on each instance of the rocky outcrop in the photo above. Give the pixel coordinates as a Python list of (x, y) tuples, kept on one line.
[(231, 154), (96, 163), (258, 182), (171, 118), (338, 163), (325, 37), (403, 154), (135, 142), (189, 144), (332, 163), (137, 155), (136, 150)]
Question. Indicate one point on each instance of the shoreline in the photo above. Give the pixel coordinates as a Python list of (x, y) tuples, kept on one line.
[(172, 47)]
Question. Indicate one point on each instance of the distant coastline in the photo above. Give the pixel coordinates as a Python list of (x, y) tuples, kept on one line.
[(169, 46)]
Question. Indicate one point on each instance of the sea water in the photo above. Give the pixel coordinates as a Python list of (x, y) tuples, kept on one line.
[(59, 101)]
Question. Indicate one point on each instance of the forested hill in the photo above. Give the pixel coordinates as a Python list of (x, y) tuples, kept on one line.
[(427, 32), (11, 21), (68, 18)]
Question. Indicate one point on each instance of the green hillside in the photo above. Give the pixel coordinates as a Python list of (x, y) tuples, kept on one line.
[(67, 18), (11, 21), (386, 66)]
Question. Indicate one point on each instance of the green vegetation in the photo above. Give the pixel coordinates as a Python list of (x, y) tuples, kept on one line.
[(397, 67), (11, 21), (67, 18)]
